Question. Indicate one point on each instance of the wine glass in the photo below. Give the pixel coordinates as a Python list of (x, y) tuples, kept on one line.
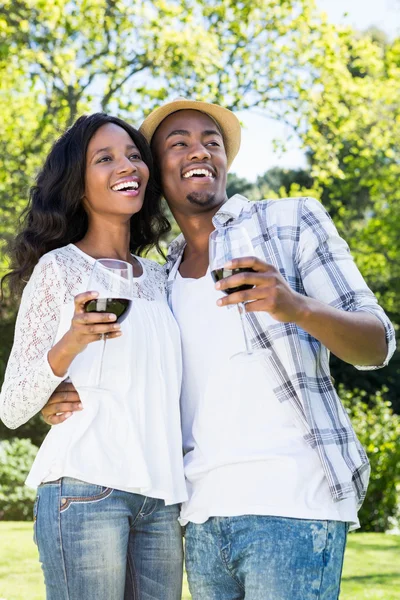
[(113, 280), (225, 244)]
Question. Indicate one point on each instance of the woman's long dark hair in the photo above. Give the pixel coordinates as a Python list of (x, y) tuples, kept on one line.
[(55, 215)]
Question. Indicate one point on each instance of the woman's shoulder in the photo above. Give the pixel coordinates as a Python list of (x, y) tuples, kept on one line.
[(152, 267), (65, 258), (65, 266), (153, 281)]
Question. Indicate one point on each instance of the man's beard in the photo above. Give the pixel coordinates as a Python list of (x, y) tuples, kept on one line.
[(201, 198)]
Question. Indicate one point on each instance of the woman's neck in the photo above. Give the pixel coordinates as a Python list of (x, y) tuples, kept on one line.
[(107, 240)]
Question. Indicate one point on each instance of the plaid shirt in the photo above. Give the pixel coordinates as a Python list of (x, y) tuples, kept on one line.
[(298, 237)]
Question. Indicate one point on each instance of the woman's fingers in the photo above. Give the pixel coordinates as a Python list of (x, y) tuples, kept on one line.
[(82, 299), (88, 318), (87, 327), (99, 329)]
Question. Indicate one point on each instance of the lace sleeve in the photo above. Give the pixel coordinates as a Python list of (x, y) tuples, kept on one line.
[(29, 380)]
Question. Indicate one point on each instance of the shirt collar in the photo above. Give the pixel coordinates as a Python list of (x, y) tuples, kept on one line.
[(231, 209)]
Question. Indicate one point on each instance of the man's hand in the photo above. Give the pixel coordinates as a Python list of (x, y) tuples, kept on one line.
[(270, 291), (62, 404), (356, 337)]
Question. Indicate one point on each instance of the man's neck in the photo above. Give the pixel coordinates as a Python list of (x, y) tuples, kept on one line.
[(196, 230)]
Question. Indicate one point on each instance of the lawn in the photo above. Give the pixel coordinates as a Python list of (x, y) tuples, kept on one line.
[(371, 569)]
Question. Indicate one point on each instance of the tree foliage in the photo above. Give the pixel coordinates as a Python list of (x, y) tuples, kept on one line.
[(16, 500), (378, 429), (338, 91)]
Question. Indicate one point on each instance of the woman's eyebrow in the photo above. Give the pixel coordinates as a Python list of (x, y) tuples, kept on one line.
[(109, 148)]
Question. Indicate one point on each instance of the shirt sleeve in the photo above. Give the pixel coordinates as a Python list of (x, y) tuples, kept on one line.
[(29, 380), (330, 274)]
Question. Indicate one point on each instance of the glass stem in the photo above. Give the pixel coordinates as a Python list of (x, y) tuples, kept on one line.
[(242, 313), (100, 371)]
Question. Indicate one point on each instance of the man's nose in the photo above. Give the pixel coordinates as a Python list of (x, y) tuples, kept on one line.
[(198, 151)]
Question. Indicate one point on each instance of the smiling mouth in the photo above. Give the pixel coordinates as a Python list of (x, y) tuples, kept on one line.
[(127, 186), (198, 173)]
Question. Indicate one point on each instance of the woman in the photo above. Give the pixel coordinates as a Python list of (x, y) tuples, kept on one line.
[(109, 478)]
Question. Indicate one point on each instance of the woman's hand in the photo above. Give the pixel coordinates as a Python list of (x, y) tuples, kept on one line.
[(87, 327)]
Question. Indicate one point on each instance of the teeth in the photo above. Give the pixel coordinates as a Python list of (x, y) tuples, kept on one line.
[(193, 172), (125, 185)]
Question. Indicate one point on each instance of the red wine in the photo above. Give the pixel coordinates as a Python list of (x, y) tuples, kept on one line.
[(117, 306), (219, 274)]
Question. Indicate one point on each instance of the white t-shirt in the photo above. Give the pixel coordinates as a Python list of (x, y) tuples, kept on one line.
[(128, 434), (244, 452)]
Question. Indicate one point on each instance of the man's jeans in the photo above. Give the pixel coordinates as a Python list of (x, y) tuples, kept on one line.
[(265, 558), (97, 543)]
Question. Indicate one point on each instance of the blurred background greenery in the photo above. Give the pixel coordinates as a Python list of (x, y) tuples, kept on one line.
[(336, 90)]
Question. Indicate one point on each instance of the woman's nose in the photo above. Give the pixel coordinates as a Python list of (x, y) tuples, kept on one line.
[(126, 165)]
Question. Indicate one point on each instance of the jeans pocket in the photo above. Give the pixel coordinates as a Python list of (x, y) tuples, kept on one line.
[(74, 491), (35, 514)]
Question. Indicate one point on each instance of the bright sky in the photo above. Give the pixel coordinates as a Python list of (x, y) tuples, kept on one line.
[(256, 153)]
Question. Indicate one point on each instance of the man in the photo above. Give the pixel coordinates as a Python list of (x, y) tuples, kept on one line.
[(275, 472)]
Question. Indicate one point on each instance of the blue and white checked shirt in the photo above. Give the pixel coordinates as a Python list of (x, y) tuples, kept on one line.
[(298, 237)]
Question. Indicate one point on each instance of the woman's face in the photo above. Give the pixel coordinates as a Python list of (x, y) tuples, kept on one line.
[(116, 176)]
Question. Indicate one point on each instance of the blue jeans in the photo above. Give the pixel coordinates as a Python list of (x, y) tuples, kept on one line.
[(97, 543), (265, 558)]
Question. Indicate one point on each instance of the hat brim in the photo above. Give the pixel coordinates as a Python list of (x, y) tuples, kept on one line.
[(227, 121)]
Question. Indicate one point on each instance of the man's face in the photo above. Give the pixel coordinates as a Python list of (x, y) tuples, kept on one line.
[(190, 154)]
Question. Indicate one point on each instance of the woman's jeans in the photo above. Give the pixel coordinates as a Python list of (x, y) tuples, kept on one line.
[(98, 543), (265, 558)]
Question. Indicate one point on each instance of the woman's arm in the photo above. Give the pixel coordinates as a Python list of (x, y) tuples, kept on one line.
[(37, 365), (29, 379)]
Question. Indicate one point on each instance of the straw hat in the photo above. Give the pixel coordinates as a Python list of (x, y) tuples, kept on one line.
[(225, 119)]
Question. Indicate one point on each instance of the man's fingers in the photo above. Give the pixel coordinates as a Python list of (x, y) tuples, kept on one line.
[(254, 294), (57, 419), (63, 396), (61, 407), (65, 387), (257, 306), (250, 262), (246, 278)]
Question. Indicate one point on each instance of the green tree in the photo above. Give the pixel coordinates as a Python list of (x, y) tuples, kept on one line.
[(378, 429), (16, 500), (337, 91)]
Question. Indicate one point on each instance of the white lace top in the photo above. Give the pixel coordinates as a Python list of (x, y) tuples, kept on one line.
[(128, 434)]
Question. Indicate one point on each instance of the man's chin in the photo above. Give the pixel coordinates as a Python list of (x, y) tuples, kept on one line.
[(204, 199)]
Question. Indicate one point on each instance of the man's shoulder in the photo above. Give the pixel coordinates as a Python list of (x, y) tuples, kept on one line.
[(288, 210), (283, 204)]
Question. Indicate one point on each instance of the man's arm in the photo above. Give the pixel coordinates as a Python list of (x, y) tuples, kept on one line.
[(337, 307), (355, 337)]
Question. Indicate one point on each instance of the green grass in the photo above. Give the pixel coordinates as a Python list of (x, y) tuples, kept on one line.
[(371, 569)]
